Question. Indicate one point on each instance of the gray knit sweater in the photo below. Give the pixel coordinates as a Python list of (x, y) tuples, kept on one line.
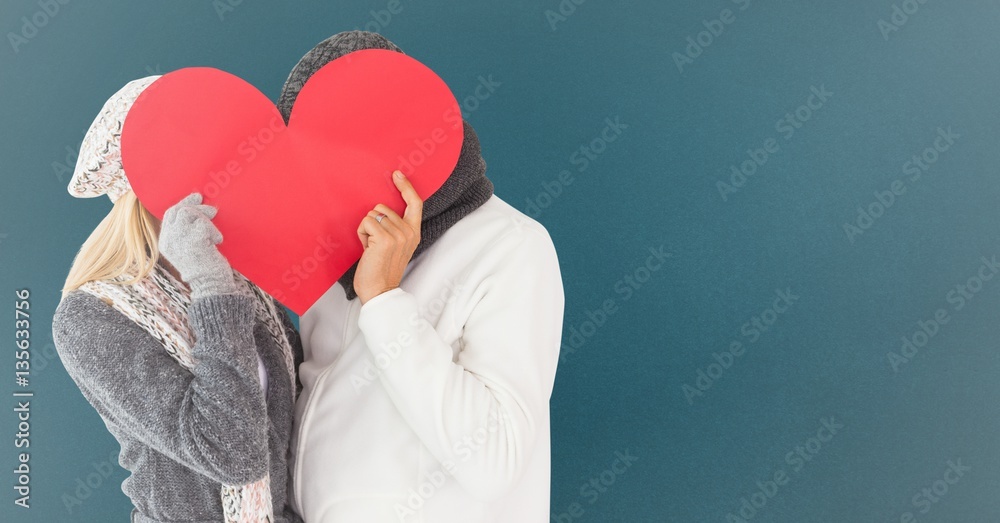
[(184, 433)]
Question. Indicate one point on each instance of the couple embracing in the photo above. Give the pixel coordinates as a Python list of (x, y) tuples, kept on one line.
[(417, 389)]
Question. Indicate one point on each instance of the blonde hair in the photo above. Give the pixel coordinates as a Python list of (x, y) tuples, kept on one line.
[(124, 243)]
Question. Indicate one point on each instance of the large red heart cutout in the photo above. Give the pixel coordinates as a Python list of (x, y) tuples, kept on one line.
[(290, 198)]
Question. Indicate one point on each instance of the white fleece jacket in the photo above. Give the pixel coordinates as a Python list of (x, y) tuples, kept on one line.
[(430, 403)]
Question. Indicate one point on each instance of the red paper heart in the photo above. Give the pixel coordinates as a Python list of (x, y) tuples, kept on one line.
[(290, 199)]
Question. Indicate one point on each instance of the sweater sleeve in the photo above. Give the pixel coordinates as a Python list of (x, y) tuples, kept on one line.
[(479, 415), (212, 419)]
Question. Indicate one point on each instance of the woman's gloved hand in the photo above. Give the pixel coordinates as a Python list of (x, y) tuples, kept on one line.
[(188, 240)]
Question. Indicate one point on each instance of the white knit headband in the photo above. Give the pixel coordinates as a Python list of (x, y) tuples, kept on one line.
[(99, 166)]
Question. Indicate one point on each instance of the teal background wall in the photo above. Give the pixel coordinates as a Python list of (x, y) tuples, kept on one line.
[(715, 369)]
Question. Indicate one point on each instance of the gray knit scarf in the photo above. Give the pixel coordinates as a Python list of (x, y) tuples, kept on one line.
[(465, 189)]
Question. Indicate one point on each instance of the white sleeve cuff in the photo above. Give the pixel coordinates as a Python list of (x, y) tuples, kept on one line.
[(384, 316)]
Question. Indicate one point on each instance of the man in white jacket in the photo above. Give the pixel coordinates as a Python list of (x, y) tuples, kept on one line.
[(426, 392)]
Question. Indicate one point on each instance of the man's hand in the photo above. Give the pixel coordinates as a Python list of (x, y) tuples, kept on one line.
[(389, 243)]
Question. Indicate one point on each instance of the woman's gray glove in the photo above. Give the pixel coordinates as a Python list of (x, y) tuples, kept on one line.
[(188, 241)]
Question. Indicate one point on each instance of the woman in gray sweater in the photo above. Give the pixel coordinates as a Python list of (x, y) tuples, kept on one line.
[(191, 366)]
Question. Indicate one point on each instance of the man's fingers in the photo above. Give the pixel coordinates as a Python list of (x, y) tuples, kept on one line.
[(414, 205), (369, 229), (391, 223), (363, 237), (389, 215), (363, 234)]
